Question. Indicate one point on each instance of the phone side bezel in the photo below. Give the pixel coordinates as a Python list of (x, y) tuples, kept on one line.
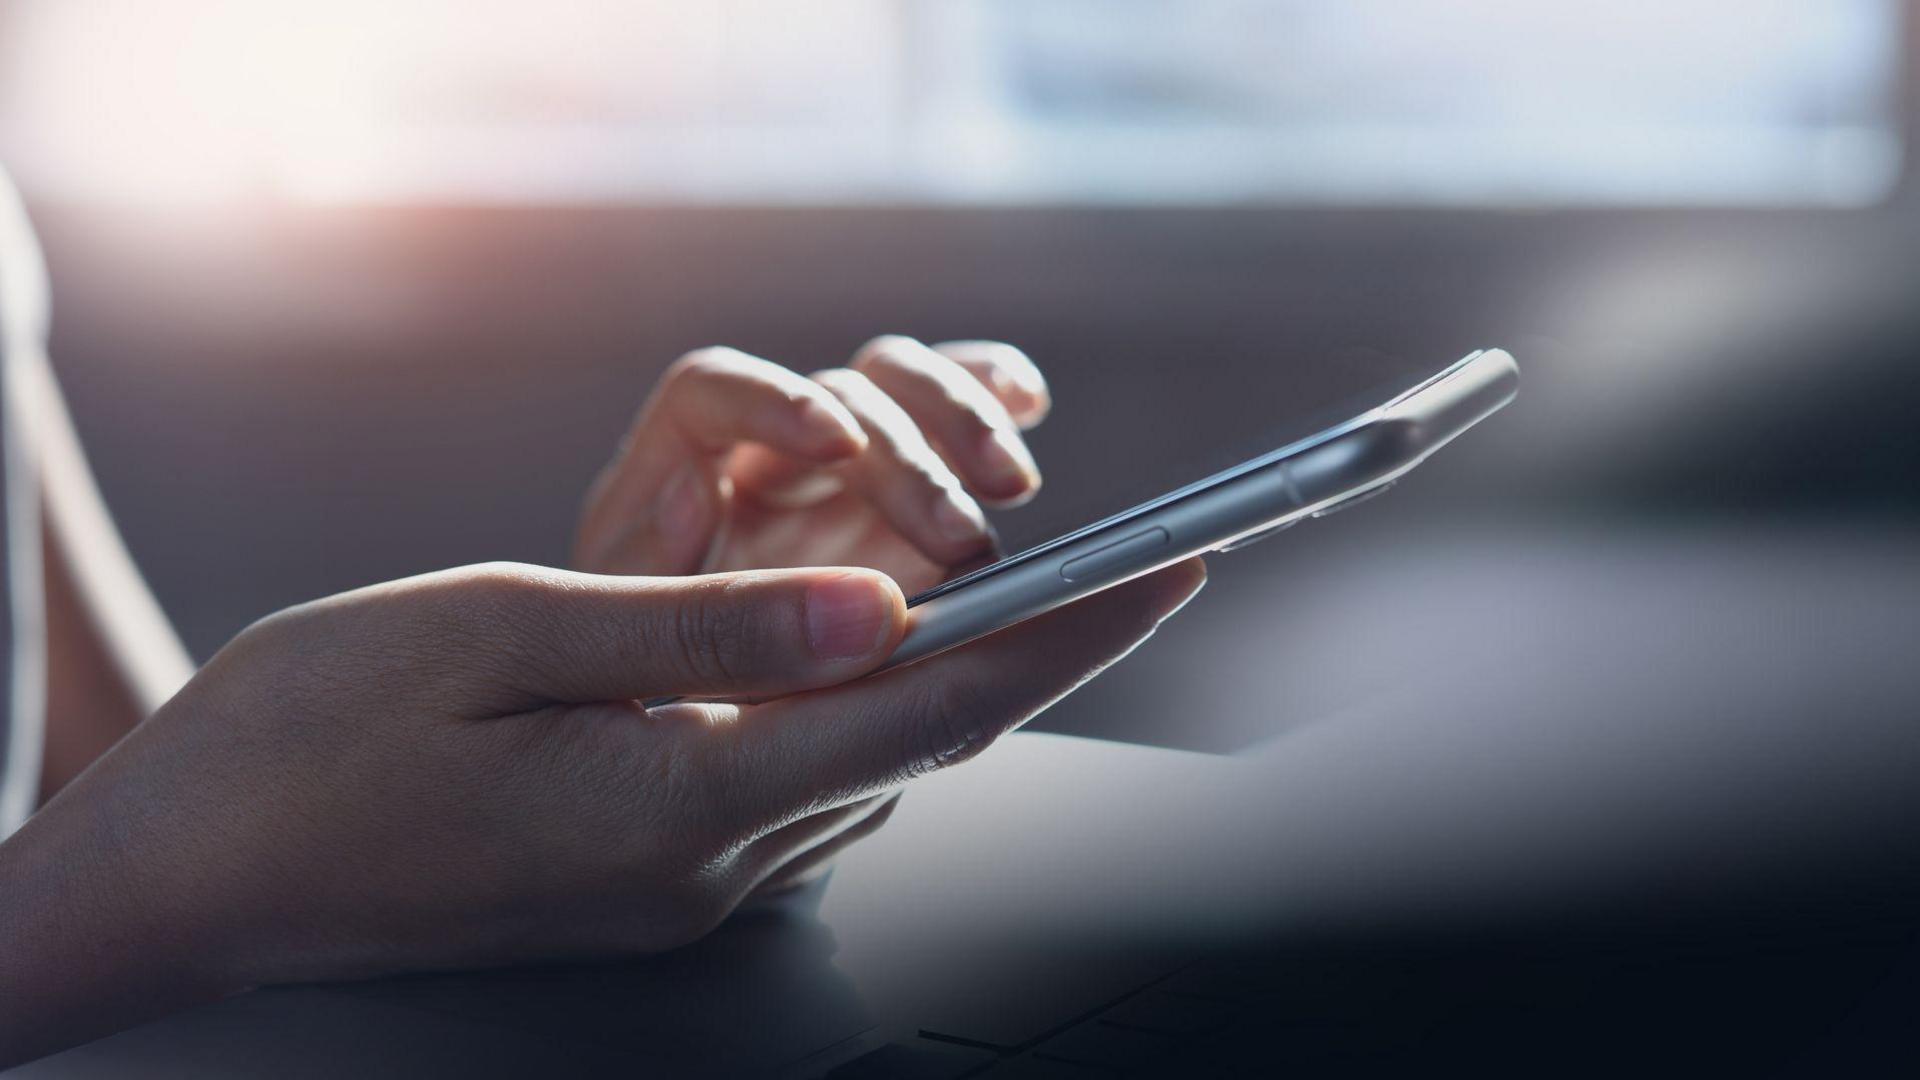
[(1225, 476), (1264, 494)]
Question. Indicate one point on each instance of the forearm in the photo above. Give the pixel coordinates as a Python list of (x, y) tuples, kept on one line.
[(96, 931), (94, 697), (112, 657)]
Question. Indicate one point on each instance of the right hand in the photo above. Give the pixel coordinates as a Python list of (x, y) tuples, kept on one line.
[(736, 463), (452, 770)]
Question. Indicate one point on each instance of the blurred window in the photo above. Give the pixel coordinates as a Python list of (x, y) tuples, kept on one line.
[(1200, 101)]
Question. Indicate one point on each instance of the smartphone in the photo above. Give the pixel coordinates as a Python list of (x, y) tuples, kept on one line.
[(1370, 438)]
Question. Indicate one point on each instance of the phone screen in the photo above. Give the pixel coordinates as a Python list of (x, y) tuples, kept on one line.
[(1119, 438)]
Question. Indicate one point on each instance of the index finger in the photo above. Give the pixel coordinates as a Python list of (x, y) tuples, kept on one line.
[(655, 505)]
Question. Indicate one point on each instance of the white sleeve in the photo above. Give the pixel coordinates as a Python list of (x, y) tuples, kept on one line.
[(23, 669)]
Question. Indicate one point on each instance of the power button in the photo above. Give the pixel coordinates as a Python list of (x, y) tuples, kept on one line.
[(1119, 555)]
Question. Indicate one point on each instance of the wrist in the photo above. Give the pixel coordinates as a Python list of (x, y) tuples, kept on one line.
[(98, 932)]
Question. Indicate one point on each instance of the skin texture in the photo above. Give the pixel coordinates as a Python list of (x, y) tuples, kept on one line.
[(738, 463), (453, 770)]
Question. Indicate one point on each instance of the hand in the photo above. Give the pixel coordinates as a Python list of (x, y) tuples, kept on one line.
[(451, 770), (736, 463)]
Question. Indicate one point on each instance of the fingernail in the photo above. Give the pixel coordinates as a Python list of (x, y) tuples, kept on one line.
[(959, 517), (1040, 402), (1008, 461), (847, 616), (1025, 397), (1004, 384)]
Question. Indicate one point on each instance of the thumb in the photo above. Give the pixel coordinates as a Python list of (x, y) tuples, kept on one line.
[(764, 633)]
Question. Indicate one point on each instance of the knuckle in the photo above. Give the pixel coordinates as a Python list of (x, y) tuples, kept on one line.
[(796, 394), (456, 637), (953, 726), (923, 470), (502, 594), (502, 577), (892, 435), (706, 361), (512, 609), (707, 633), (722, 369), (844, 382), (912, 367), (900, 446), (887, 350)]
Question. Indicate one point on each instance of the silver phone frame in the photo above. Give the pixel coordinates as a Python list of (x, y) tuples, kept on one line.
[(1311, 477)]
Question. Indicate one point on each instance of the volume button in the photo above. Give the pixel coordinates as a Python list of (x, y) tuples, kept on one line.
[(1120, 554)]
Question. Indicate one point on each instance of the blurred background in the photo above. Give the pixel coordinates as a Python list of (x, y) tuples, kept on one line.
[(351, 291)]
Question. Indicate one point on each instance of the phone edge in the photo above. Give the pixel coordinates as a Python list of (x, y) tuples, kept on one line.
[(1308, 478)]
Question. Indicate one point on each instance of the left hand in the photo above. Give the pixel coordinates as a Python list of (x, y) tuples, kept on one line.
[(736, 463), (452, 771)]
